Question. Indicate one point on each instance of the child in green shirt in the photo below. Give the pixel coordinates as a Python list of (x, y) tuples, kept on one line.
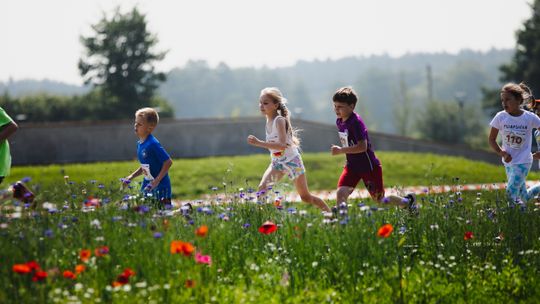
[(7, 128)]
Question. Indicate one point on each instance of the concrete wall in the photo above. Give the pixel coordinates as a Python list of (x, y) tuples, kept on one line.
[(111, 141)]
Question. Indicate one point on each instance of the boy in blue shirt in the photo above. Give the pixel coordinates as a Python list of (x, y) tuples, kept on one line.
[(155, 161)]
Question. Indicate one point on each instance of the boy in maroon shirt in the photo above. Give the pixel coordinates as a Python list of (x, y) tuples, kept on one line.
[(362, 164)]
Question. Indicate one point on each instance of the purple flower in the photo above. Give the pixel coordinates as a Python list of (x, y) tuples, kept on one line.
[(246, 225), (101, 186), (92, 181), (386, 200), (158, 235), (26, 180), (48, 233)]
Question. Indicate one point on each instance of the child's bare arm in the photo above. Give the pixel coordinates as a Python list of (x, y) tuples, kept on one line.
[(492, 140), (282, 138), (135, 173), (8, 130), (360, 147), (164, 169)]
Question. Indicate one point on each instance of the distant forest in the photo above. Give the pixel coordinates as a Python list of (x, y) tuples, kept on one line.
[(386, 85)]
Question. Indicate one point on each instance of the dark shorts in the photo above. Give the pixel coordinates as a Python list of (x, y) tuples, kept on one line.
[(373, 181)]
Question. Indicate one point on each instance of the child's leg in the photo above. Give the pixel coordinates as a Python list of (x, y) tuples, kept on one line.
[(533, 192), (302, 188), (515, 187), (346, 184), (270, 176), (375, 186)]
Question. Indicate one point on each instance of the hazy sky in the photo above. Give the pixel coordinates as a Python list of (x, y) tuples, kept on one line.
[(40, 38)]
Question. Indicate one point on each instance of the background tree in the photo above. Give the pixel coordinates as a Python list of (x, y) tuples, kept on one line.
[(525, 64), (449, 122), (119, 62)]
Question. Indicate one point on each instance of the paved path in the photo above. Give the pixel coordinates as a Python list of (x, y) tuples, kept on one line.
[(362, 192)]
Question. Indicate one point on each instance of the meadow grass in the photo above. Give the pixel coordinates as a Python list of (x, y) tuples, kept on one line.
[(192, 177), (461, 247)]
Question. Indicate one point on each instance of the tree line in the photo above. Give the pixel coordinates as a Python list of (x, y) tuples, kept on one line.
[(442, 97)]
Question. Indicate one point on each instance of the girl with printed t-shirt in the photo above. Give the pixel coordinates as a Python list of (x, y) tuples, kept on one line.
[(515, 126), (283, 145)]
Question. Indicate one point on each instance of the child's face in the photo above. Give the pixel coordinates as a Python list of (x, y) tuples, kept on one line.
[(343, 110), (510, 103), (141, 127), (267, 105)]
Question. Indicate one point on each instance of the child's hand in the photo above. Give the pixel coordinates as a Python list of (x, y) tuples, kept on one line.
[(152, 185), (536, 155), (125, 181), (335, 150), (506, 156), (252, 140)]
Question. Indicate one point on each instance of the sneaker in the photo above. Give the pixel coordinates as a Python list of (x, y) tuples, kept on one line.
[(412, 206), (22, 193)]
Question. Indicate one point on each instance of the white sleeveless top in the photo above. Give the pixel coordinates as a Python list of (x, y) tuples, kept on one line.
[(272, 136)]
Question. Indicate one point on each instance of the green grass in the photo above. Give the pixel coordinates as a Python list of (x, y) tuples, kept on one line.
[(309, 259), (192, 177)]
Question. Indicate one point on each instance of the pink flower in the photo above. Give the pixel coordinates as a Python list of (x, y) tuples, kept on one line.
[(203, 259)]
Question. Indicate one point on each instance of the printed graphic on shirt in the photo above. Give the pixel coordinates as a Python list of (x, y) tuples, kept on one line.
[(344, 138), (146, 171), (514, 138)]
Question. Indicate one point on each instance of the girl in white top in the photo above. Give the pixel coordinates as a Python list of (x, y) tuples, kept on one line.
[(283, 144), (515, 126)]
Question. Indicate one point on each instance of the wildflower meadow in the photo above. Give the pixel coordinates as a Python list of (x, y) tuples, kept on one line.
[(88, 240)]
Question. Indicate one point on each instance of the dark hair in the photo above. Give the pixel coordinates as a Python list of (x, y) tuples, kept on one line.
[(346, 95), (520, 91)]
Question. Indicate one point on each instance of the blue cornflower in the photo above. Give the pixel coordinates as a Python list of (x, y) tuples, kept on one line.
[(48, 233)]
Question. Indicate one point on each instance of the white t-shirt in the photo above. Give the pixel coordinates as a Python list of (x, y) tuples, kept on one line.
[(516, 133), (272, 135)]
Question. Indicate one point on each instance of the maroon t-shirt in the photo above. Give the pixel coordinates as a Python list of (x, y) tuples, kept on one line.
[(357, 131)]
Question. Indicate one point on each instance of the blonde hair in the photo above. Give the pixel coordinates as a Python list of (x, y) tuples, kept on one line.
[(520, 91), (149, 114), (277, 97)]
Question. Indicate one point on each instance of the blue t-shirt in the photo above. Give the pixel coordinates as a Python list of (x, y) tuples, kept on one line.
[(152, 156)]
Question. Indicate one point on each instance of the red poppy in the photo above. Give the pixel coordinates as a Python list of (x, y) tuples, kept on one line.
[(277, 203), (202, 231), (468, 235), (68, 274), (92, 202), (267, 228), (101, 251), (85, 255), (21, 268), (39, 275), (123, 278), (385, 230), (184, 248), (33, 265), (80, 268), (190, 283)]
